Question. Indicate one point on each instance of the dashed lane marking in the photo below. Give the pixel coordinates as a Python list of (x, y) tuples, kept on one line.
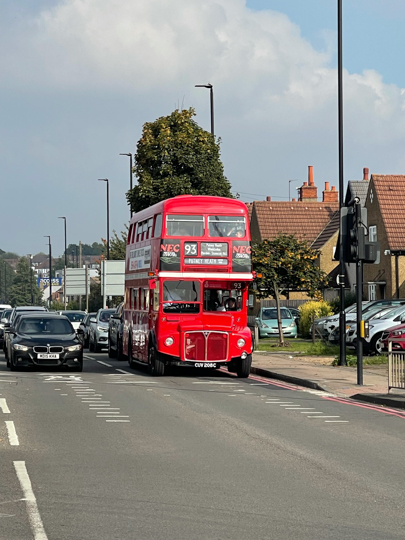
[(12, 434), (118, 420), (103, 363), (324, 417), (34, 516), (125, 372), (3, 406)]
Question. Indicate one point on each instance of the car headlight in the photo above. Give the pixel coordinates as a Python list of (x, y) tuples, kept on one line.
[(2, 326), (101, 329), (240, 343), (397, 333), (263, 325), (292, 323), (169, 341), (74, 348), (18, 347)]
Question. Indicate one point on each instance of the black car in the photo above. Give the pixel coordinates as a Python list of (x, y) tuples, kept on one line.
[(85, 326), (115, 330), (45, 340)]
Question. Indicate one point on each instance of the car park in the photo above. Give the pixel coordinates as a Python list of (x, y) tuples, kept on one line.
[(75, 317), (98, 332), (85, 327), (45, 339), (373, 343), (267, 322), (115, 328)]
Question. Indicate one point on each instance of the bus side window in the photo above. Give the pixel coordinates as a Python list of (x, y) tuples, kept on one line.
[(131, 230), (146, 293), (145, 230), (133, 237), (156, 297), (138, 232), (150, 226), (133, 303), (141, 299), (158, 225)]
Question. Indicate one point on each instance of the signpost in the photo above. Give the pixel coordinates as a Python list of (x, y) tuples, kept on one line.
[(112, 279)]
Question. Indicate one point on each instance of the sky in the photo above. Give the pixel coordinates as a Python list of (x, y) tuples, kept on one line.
[(79, 78)]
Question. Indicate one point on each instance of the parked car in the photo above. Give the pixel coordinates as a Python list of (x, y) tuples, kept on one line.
[(393, 334), (45, 339), (296, 313), (115, 328), (373, 343), (268, 326), (75, 317), (85, 327), (98, 332), (9, 326), (4, 317)]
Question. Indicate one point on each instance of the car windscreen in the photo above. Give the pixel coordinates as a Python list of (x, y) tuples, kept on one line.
[(271, 313), (394, 313), (40, 325), (74, 316), (105, 315), (6, 314)]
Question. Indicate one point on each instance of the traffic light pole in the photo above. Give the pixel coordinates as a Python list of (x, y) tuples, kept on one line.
[(359, 236)]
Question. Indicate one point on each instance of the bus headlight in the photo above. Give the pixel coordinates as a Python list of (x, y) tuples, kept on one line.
[(169, 341), (240, 343)]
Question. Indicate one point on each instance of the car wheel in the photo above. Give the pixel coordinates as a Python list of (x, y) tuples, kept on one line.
[(155, 365), (91, 346), (79, 368), (243, 367), (376, 346), (120, 354), (12, 366), (111, 352), (97, 347)]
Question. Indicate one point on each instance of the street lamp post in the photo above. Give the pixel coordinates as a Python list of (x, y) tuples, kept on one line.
[(64, 275), (108, 216), (130, 174), (211, 102), (30, 257), (50, 269)]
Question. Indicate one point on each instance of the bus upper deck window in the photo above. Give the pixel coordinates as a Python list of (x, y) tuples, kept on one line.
[(233, 226), (150, 225), (179, 225), (145, 230), (158, 226)]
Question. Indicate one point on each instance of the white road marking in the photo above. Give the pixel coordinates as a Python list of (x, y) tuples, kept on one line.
[(259, 384), (89, 399), (300, 408), (12, 434), (34, 516), (132, 382), (94, 401), (216, 382), (315, 412), (325, 416), (107, 407), (88, 357), (106, 413), (64, 394), (104, 364), (104, 416), (126, 372), (3, 406), (337, 421), (118, 420), (56, 388), (279, 402), (271, 399), (231, 395)]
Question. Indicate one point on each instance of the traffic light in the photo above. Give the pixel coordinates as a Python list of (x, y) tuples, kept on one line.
[(349, 236)]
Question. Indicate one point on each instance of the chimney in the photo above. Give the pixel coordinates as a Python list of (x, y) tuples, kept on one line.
[(268, 199), (330, 196), (293, 200), (308, 191), (365, 173), (311, 175)]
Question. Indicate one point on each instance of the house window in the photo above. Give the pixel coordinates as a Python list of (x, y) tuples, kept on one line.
[(372, 233), (372, 292)]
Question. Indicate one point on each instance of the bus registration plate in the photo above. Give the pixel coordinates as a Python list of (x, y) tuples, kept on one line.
[(206, 364)]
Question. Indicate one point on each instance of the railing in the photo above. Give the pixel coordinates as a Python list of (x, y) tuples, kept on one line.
[(396, 366)]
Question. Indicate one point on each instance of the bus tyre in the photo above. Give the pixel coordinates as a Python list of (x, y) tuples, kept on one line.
[(130, 359), (156, 366), (244, 365)]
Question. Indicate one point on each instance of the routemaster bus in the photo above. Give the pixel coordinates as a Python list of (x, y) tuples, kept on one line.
[(188, 268)]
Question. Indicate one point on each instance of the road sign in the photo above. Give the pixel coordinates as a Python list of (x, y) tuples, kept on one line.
[(76, 281), (113, 278)]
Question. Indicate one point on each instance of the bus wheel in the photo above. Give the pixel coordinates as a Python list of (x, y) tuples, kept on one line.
[(156, 366), (130, 360), (243, 367)]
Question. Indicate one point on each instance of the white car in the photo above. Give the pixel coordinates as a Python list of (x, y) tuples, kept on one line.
[(75, 317), (373, 343)]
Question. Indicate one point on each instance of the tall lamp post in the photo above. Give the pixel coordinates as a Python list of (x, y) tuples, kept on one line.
[(30, 257), (64, 275), (130, 174), (211, 88), (50, 269), (108, 216)]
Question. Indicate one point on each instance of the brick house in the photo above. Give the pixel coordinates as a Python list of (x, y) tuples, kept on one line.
[(385, 203), (308, 219)]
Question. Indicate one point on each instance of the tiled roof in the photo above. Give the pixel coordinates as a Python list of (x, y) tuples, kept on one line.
[(306, 220), (357, 188), (331, 228), (390, 191)]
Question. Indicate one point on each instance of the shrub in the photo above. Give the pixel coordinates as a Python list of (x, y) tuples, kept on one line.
[(350, 299), (310, 311)]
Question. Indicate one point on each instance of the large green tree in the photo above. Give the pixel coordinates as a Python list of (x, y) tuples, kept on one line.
[(175, 156), (6, 280), (24, 285), (287, 264)]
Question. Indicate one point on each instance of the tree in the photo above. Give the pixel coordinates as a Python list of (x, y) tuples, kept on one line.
[(175, 156), (6, 280), (286, 264), (24, 283)]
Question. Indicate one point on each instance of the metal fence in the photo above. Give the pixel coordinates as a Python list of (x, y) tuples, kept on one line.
[(396, 366)]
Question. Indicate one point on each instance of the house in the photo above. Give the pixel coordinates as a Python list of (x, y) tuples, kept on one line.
[(385, 203), (308, 219)]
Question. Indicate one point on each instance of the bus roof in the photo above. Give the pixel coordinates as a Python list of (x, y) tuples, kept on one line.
[(193, 204)]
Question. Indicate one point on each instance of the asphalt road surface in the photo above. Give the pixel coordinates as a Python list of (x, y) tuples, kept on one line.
[(112, 453)]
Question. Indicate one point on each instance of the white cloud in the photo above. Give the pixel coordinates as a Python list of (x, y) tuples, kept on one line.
[(275, 95)]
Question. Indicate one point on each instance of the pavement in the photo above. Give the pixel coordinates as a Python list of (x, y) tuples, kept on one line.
[(317, 373)]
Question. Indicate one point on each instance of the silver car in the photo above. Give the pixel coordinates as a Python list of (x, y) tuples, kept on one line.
[(98, 332)]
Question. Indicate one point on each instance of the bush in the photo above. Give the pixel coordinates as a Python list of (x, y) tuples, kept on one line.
[(350, 299), (310, 311)]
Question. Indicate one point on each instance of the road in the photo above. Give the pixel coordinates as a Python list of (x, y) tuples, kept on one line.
[(112, 453)]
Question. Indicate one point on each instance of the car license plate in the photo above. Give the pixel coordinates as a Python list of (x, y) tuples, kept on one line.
[(48, 356), (206, 364)]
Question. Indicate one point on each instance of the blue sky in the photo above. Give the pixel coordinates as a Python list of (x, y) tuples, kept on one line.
[(79, 79)]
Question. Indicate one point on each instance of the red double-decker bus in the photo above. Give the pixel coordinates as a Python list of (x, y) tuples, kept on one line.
[(188, 267)]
